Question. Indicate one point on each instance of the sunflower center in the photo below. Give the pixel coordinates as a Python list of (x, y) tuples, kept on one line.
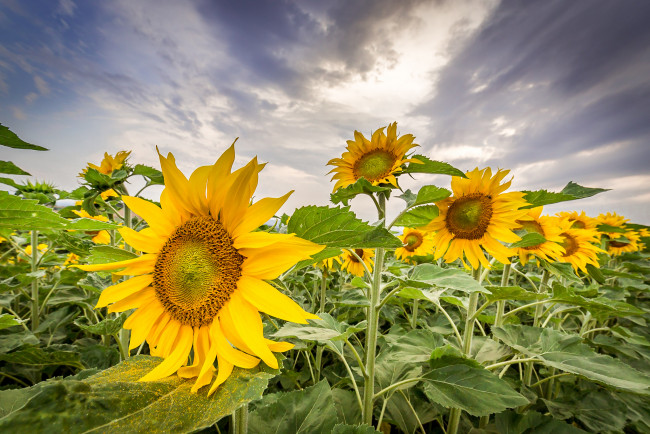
[(618, 244), (412, 241), (374, 165), (577, 224), (532, 226), (359, 253), (196, 271), (569, 243), (469, 216)]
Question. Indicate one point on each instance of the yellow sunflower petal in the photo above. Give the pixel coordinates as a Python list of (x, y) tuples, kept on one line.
[(143, 266), (113, 265), (271, 261), (267, 299), (223, 372), (177, 357), (176, 184), (150, 213), (124, 289), (134, 300), (259, 213), (145, 240), (231, 354), (141, 321)]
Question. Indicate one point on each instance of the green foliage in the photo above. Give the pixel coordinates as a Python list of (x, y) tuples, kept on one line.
[(11, 169), (338, 227), (433, 167), (114, 401), (362, 186), (418, 216), (571, 191), (10, 139)]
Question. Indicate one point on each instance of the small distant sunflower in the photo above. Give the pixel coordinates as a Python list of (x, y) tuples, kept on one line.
[(42, 248), (478, 215), (352, 264), (109, 163), (549, 228), (611, 219), (378, 160), (201, 282), (579, 220), (99, 237), (579, 249), (617, 245), (416, 242), (328, 264)]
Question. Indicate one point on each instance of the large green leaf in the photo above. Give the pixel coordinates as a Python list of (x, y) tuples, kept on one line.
[(353, 429), (511, 422), (10, 139), (109, 326), (598, 410), (338, 227), (470, 388), (362, 186), (26, 214), (306, 411), (86, 224), (567, 353), (11, 168), (512, 293), (430, 166), (154, 176), (8, 320), (598, 306), (418, 216), (113, 401), (571, 191), (427, 194), (106, 254), (455, 279), (401, 406), (415, 346), (528, 240), (33, 356)]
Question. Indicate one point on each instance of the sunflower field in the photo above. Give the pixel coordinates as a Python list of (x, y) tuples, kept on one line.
[(208, 310)]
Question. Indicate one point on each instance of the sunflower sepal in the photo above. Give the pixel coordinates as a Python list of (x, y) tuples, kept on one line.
[(362, 186)]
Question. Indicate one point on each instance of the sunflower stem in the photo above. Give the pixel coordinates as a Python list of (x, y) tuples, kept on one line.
[(124, 335), (34, 256), (414, 316), (373, 324), (528, 372), (501, 304), (240, 420), (454, 413)]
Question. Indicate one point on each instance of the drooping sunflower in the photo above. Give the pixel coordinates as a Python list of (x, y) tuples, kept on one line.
[(378, 160), (99, 237), (200, 284), (417, 242), (625, 242), (549, 228), (109, 163), (479, 214), (353, 265), (579, 247)]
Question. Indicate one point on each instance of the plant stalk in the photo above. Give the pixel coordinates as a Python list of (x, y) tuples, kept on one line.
[(240, 419), (501, 304), (321, 309), (35, 302), (124, 335)]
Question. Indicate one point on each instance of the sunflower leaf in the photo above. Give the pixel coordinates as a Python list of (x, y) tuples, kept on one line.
[(86, 224), (571, 191), (154, 176), (338, 227), (610, 228), (109, 326), (417, 217), (528, 240), (434, 167), (10, 139), (7, 320), (567, 353), (27, 214), (425, 276), (11, 168), (114, 401), (362, 186), (106, 254)]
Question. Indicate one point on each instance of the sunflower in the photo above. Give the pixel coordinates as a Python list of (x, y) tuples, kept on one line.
[(478, 215), (42, 248), (99, 237), (416, 242), (328, 264), (200, 284), (617, 245), (352, 264), (108, 164), (549, 228), (579, 221), (579, 249), (378, 160)]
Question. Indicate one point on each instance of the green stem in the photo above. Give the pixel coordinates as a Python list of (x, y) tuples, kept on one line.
[(124, 335), (321, 309), (354, 382), (528, 372), (35, 303), (454, 413), (397, 385), (414, 316), (373, 325), (240, 419), (501, 304)]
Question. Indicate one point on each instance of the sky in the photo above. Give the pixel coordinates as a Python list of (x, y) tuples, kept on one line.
[(555, 91)]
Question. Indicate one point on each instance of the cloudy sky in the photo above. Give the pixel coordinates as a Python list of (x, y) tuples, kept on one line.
[(556, 91)]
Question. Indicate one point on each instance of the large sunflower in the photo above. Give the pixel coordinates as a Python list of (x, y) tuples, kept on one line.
[(378, 160), (549, 228), (417, 242), (478, 215), (579, 249), (353, 265), (200, 283)]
